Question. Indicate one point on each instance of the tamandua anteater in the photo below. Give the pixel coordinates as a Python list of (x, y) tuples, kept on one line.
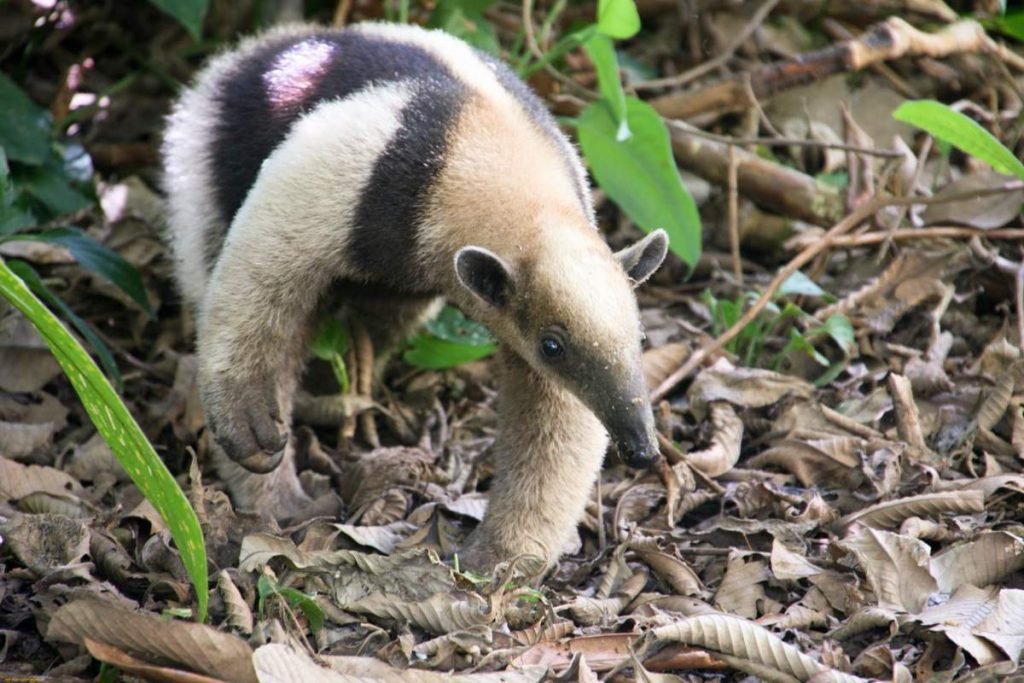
[(391, 160)]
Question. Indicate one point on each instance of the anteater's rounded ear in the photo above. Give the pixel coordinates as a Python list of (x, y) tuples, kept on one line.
[(484, 274), (640, 260)]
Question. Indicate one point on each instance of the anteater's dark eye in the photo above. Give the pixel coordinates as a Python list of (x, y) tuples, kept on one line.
[(551, 346)]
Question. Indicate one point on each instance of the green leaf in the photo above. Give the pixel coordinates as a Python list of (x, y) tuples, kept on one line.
[(640, 174), (330, 344), (117, 427), (798, 284), (97, 258), (450, 324), (428, 351), (36, 284), (465, 19), (49, 185), (268, 588), (618, 19), (25, 132), (1012, 24), (960, 131), (839, 328), (602, 54), (188, 13)]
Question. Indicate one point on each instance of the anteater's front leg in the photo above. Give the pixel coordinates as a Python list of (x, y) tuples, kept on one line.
[(254, 328), (548, 456)]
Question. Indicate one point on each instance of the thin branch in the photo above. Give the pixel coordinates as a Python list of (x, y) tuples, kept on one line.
[(783, 142)]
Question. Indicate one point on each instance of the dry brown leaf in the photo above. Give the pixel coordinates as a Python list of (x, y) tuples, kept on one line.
[(988, 559), (197, 647), (958, 616), (788, 565), (726, 439), (892, 513), (381, 538), (26, 364), (603, 651), (745, 387), (592, 611), (896, 567), (997, 400), (47, 543), (661, 361), (748, 647), (984, 211), (20, 440), (159, 674), (1005, 625), (239, 616), (741, 588), (18, 481), (676, 573), (809, 463)]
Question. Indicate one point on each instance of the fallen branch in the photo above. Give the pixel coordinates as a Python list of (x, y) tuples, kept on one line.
[(764, 182)]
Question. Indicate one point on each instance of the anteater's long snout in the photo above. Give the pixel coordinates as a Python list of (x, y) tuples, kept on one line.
[(631, 428)]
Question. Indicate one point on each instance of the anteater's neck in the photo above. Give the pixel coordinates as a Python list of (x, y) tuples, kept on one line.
[(549, 453)]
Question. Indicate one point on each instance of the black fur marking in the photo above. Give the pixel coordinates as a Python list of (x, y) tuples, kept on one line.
[(256, 111), (538, 112), (383, 240)]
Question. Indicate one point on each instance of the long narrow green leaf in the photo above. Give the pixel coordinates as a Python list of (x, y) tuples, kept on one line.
[(962, 132), (97, 258), (120, 431), (640, 173), (602, 54), (39, 288)]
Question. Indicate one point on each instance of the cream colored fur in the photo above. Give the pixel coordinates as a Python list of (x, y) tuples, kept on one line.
[(504, 187)]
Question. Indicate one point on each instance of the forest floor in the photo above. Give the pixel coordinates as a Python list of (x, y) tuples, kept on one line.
[(840, 493)]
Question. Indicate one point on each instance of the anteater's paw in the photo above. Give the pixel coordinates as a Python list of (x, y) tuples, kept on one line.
[(246, 422)]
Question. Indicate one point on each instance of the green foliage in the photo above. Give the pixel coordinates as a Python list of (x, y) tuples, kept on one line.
[(803, 333), (618, 19), (268, 588), (330, 344), (188, 13), (1012, 24), (465, 19), (962, 132), (117, 427), (627, 146), (640, 173), (450, 339)]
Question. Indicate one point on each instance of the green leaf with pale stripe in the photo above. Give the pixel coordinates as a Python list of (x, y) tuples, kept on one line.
[(962, 132), (119, 429)]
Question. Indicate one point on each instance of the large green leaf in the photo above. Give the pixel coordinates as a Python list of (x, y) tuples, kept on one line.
[(602, 54), (428, 351), (962, 132), (640, 174), (97, 258), (465, 19), (24, 126), (618, 19), (49, 185), (189, 13), (119, 429)]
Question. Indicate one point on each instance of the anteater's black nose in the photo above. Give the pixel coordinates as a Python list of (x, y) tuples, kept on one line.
[(637, 450)]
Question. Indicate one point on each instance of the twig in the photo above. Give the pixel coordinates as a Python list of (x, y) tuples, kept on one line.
[(783, 142), (939, 232), (922, 157), (827, 241), (1010, 268), (692, 74), (734, 221)]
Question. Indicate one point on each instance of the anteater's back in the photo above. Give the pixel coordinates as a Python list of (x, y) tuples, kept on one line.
[(246, 102)]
